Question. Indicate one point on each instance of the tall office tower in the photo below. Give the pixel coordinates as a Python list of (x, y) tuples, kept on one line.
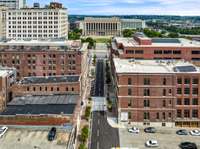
[(13, 4), (37, 23)]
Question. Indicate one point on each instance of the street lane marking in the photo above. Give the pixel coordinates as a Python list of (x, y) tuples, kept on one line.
[(98, 121), (98, 133), (98, 145)]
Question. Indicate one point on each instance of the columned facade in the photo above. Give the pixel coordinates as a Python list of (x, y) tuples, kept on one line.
[(102, 27)]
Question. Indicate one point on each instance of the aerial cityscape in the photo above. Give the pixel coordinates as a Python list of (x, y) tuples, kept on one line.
[(99, 74)]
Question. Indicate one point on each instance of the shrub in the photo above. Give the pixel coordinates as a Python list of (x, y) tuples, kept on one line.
[(84, 134)]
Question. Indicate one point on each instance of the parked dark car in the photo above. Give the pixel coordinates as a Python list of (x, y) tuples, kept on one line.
[(188, 145), (52, 134), (150, 130), (182, 132)]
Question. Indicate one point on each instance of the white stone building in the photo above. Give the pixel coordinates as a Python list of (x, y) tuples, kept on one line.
[(37, 23)]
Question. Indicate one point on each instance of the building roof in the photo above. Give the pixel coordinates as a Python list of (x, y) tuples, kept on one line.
[(39, 109), (5, 71), (100, 19), (57, 44), (158, 42), (50, 79), (154, 66), (45, 99), (52, 104), (132, 20)]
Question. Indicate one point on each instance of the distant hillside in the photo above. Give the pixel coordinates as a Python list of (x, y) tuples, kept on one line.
[(194, 19)]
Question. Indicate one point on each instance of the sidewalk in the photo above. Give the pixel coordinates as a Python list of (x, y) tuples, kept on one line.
[(112, 121)]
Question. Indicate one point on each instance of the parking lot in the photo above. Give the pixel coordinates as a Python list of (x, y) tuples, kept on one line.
[(29, 139), (166, 138)]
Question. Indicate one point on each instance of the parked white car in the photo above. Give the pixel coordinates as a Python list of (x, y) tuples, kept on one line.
[(134, 130), (195, 132), (3, 130), (152, 143)]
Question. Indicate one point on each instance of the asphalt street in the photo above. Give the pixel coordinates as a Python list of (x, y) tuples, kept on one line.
[(103, 135), (99, 81)]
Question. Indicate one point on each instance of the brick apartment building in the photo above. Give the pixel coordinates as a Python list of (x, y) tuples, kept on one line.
[(7, 78), (44, 58), (141, 47), (157, 92)]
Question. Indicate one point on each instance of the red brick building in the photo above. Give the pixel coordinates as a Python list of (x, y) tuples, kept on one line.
[(7, 79), (43, 58), (47, 86), (141, 47), (157, 93)]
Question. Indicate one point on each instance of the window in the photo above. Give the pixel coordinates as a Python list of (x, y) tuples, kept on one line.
[(187, 91), (158, 52), (146, 103), (129, 115), (179, 80), (40, 88), (195, 101), (195, 81), (58, 89), (187, 81), (27, 89), (129, 91), (139, 51), (146, 92), (33, 88), (164, 103), (157, 116), (179, 91), (186, 113), (177, 52), (195, 91), (146, 81), (179, 114), (129, 81), (67, 89), (72, 89), (167, 52), (51, 88), (164, 117), (179, 101), (164, 81), (129, 103), (186, 101), (195, 113), (146, 116), (164, 92), (170, 114)]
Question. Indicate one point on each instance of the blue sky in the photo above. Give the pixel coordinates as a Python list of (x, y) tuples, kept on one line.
[(128, 7)]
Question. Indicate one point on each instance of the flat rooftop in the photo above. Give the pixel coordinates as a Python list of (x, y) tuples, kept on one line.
[(57, 44), (4, 71), (45, 99), (153, 66), (35, 105), (158, 42), (50, 79), (39, 109)]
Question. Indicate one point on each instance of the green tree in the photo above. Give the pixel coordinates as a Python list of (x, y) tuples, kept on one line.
[(75, 34), (173, 35), (152, 33), (128, 32), (82, 146), (87, 112), (84, 134), (94, 59)]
